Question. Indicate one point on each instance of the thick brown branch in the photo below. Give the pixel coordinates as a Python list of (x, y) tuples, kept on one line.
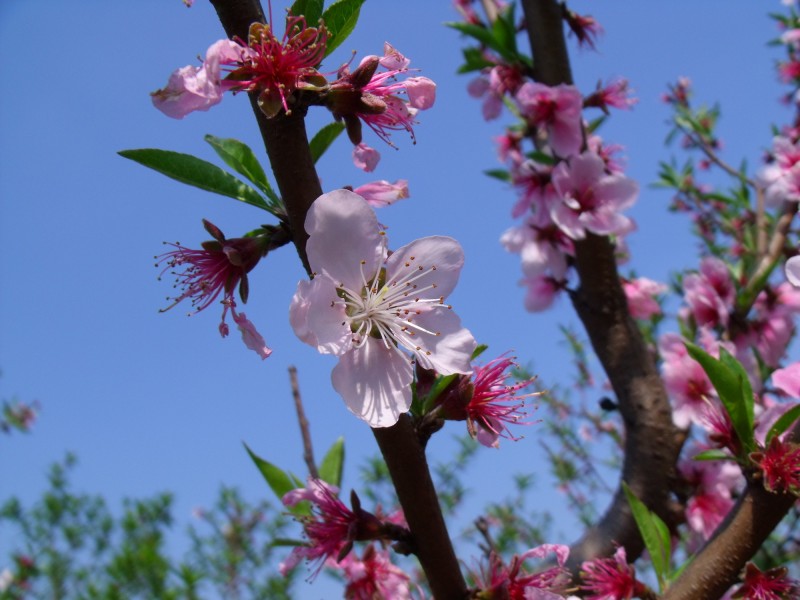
[(412, 481), (652, 444), (286, 142)]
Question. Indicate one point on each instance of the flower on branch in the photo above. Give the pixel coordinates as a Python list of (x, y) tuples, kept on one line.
[(332, 528), (781, 176), (373, 576), (273, 68), (590, 198), (383, 193), (557, 110), (494, 404), (585, 28), (615, 93), (780, 466), (611, 578), (219, 267), (773, 584), (379, 98), (372, 309), (503, 582)]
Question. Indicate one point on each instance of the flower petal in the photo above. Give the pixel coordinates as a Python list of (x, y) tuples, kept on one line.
[(318, 317), (375, 383), (439, 252), (448, 349), (344, 233)]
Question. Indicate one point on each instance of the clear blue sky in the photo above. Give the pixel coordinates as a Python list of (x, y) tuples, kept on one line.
[(153, 402)]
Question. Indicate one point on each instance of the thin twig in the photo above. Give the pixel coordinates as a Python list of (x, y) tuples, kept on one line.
[(305, 431)]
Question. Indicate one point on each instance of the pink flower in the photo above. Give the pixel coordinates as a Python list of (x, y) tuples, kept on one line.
[(276, 68), (534, 181), (197, 88), (686, 382), (513, 582), (332, 527), (712, 485), (710, 294), (365, 158), (781, 177), (773, 584), (591, 199), (494, 404), (787, 380), (610, 578), (641, 294), (374, 576), (780, 466), (370, 309), (558, 110), (585, 28), (616, 93), (382, 193), (219, 267), (543, 249), (375, 98), (493, 85), (542, 292)]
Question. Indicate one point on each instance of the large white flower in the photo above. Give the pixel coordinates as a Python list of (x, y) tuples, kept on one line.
[(371, 309)]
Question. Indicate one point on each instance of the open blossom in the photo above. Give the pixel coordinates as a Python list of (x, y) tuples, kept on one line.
[(372, 310), (686, 382), (780, 466), (712, 489), (501, 581), (332, 527), (494, 404), (556, 109), (542, 249), (590, 198), (710, 293), (611, 578), (585, 28), (773, 584), (615, 93), (641, 294), (493, 85), (378, 98), (274, 68), (374, 576), (781, 177)]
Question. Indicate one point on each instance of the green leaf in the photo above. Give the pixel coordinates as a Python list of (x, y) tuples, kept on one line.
[(655, 535), (783, 423), (310, 9), (197, 172), (478, 32), (474, 60), (279, 481), (340, 19), (239, 157), (330, 470), (713, 454), (505, 35), (732, 386), (500, 174), (324, 138), (441, 383)]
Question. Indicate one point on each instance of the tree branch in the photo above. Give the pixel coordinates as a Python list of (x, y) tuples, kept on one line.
[(286, 142), (305, 433), (652, 443)]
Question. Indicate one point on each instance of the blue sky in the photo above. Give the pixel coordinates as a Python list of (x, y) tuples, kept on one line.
[(153, 402)]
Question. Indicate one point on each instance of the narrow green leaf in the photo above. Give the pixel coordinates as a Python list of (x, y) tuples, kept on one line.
[(330, 470), (478, 32), (713, 454), (652, 534), (310, 9), (279, 481), (500, 174), (324, 138), (505, 35), (441, 383), (197, 172), (745, 389), (785, 421), (239, 157), (729, 384), (479, 349), (340, 19)]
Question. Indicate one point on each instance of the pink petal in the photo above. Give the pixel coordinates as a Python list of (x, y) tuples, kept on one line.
[(421, 92), (250, 336), (325, 317), (345, 238), (793, 270), (451, 350), (787, 380), (375, 383), (443, 253), (365, 158)]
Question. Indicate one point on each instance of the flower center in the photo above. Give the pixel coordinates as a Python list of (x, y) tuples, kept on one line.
[(387, 309)]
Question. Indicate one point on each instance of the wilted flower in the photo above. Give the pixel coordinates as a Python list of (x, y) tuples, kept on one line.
[(773, 584), (610, 578)]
